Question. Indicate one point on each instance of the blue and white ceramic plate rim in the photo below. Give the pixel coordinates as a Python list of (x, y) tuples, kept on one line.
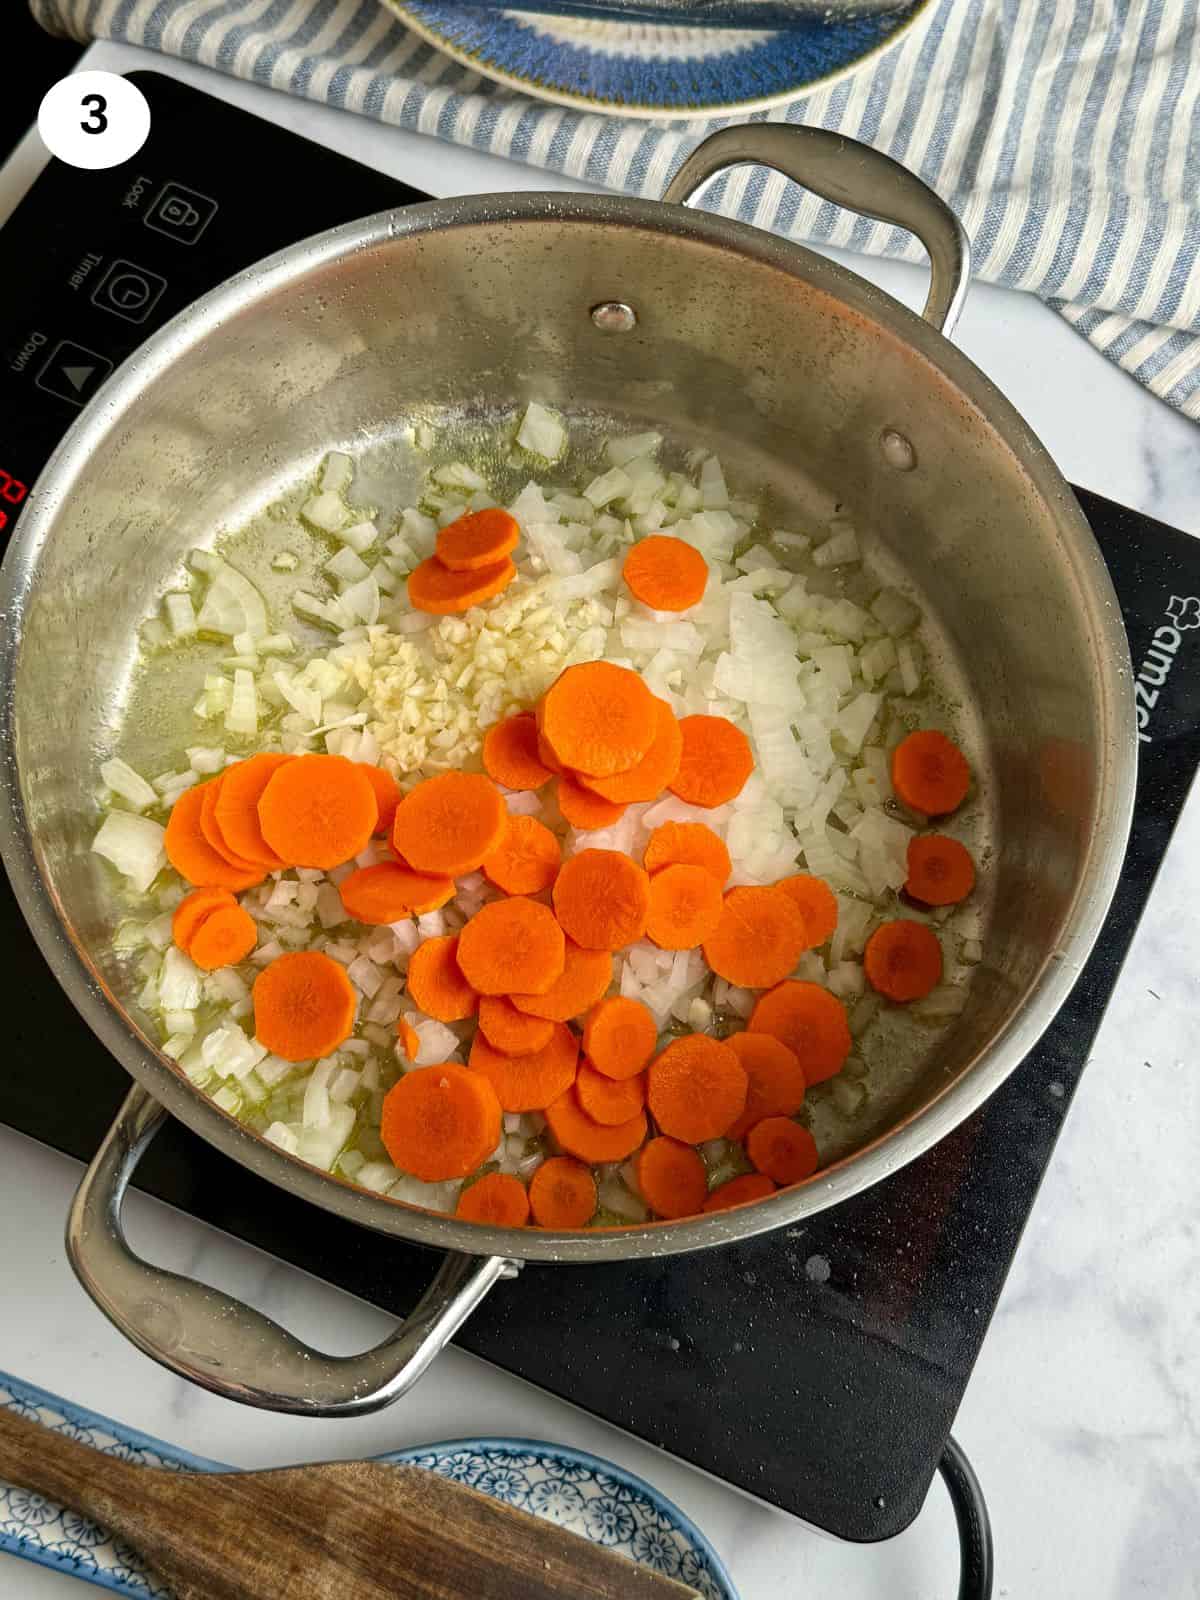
[(589, 64), (572, 1488)]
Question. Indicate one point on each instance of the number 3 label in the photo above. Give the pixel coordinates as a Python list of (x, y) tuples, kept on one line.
[(94, 120)]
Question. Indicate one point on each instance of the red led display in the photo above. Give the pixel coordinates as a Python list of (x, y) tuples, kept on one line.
[(13, 491)]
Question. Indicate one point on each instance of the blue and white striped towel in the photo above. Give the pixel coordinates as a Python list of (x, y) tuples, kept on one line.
[(1065, 133)]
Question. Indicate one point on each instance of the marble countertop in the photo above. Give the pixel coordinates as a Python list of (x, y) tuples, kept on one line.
[(1082, 1418)]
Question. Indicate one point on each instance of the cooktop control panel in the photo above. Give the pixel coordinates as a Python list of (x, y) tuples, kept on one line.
[(95, 262)]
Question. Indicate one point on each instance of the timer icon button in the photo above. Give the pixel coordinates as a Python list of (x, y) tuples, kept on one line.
[(181, 213), (128, 291), (73, 372)]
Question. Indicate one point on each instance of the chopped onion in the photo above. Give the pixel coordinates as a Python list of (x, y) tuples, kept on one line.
[(232, 605), (134, 845), (541, 432), (130, 785), (242, 716), (181, 615), (326, 511)]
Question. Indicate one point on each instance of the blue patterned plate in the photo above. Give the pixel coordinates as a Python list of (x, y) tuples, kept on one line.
[(578, 1491), (643, 69)]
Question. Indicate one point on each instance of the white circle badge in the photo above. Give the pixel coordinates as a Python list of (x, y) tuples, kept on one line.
[(94, 120)]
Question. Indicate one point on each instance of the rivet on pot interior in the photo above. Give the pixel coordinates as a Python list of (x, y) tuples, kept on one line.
[(614, 316), (897, 450)]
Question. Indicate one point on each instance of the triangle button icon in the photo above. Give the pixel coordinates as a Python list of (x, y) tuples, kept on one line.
[(77, 376)]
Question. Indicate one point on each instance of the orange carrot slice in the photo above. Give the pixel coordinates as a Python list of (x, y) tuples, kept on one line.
[(450, 823), (387, 796), (409, 1039), (740, 1191), (940, 870), (696, 1089), (529, 1082), (527, 860), (903, 960), (583, 808), (688, 844), (782, 1149), (510, 1031), (665, 573), (512, 946), (190, 853), (225, 937), (810, 1021), (930, 773), (619, 1037), (586, 975), (390, 892), (759, 939), (817, 904), (562, 1194), (598, 718), (686, 907), (582, 1136), (440, 1122), (212, 832), (192, 910), (715, 763), (777, 1082), (478, 539), (671, 1177), (653, 773), (434, 588), (236, 812), (510, 753), (602, 899), (436, 982), (304, 1006), (609, 1100), (318, 811), (498, 1199)]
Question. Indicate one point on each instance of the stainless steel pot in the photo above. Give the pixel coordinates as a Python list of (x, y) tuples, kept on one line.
[(805, 378)]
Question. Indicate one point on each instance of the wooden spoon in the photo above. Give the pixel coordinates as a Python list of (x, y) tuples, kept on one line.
[(345, 1530)]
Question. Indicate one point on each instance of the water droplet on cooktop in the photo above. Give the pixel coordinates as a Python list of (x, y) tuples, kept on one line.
[(818, 1269), (898, 451)]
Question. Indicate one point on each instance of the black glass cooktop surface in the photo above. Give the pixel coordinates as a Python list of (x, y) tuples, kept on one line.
[(819, 1367)]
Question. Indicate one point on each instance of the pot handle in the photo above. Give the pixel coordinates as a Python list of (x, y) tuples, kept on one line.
[(849, 174), (214, 1340)]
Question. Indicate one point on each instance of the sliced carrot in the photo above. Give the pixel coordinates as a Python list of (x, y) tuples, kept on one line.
[(436, 982), (782, 1149), (777, 1082), (602, 899), (817, 904), (686, 907), (512, 1032), (225, 937), (450, 823), (609, 1100), (715, 763), (527, 860), (598, 718), (653, 773), (512, 946), (740, 1191), (671, 1177), (583, 808), (192, 910), (582, 1136), (528, 1082), (478, 539), (434, 588), (440, 1122), (210, 828), (318, 811), (190, 853), (810, 1021), (619, 1037), (547, 757), (498, 1199), (665, 574), (304, 1006), (510, 753), (696, 1088), (690, 844), (387, 796), (409, 1039), (930, 773), (389, 892), (586, 975), (940, 870), (562, 1194), (237, 807), (759, 939), (903, 960)]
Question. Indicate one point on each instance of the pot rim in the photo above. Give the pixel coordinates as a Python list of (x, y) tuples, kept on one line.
[(892, 1150)]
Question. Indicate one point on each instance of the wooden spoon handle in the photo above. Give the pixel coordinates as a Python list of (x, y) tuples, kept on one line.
[(73, 1474)]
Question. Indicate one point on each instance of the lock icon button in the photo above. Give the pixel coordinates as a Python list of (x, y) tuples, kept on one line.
[(181, 213)]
